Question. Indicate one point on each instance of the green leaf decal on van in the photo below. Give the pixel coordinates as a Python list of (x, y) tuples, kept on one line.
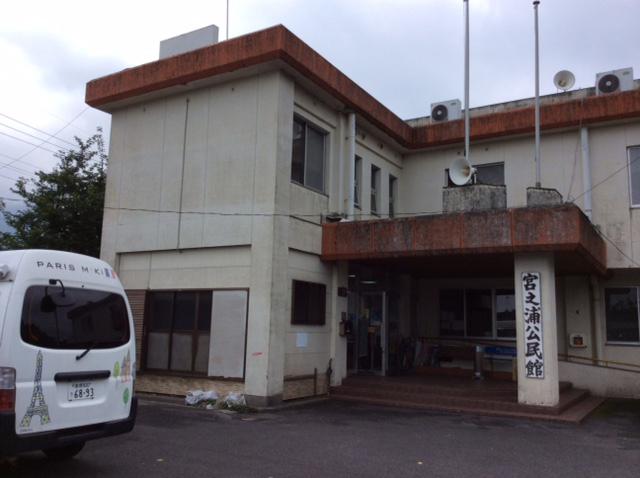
[(125, 396)]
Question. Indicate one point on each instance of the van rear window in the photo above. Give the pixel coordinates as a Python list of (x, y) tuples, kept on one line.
[(69, 318)]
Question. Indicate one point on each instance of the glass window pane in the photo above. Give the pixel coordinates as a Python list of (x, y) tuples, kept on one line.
[(506, 313), (74, 319), (490, 174), (309, 303), (452, 313), (375, 187), (314, 164), (634, 171), (202, 354), (158, 350), (392, 196), (478, 313), (358, 176), (621, 309), (185, 314), (161, 310), (181, 352), (297, 153), (204, 311)]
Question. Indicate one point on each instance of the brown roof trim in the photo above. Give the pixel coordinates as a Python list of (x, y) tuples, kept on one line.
[(572, 113), (278, 43)]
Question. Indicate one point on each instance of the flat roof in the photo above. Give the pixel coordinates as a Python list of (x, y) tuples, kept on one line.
[(277, 47)]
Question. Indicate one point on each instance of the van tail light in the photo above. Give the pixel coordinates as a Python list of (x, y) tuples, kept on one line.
[(7, 388)]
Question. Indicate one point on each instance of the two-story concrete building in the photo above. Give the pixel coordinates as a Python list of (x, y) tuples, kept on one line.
[(268, 218)]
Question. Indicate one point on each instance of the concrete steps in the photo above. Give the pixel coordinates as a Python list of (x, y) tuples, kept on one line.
[(463, 395)]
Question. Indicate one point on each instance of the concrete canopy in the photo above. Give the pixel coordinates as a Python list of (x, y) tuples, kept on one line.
[(468, 244)]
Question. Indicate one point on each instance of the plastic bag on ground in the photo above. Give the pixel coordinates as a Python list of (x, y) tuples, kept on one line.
[(235, 399), (194, 397)]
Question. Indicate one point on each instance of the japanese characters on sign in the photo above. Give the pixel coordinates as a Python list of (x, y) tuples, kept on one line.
[(532, 313)]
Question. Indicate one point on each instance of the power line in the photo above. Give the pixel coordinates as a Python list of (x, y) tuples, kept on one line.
[(35, 137), (36, 129), (54, 135), (24, 141), (606, 179)]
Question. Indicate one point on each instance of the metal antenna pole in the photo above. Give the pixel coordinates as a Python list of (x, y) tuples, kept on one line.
[(535, 8), (466, 81)]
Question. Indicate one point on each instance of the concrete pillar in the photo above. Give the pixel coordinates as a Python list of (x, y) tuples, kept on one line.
[(269, 286), (536, 329)]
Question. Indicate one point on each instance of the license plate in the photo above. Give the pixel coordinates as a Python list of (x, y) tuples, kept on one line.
[(81, 391)]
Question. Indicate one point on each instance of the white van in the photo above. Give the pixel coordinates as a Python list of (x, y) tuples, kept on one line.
[(67, 353)]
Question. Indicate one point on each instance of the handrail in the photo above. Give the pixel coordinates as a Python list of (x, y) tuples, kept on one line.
[(596, 363), (610, 364)]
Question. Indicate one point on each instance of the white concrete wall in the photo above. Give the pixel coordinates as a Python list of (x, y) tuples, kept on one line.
[(601, 381), (308, 346), (199, 195), (155, 171), (423, 177), (225, 268), (375, 152)]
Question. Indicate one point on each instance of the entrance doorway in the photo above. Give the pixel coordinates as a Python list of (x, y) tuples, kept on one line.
[(367, 342)]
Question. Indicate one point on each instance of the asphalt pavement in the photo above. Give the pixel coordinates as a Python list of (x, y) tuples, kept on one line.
[(336, 439)]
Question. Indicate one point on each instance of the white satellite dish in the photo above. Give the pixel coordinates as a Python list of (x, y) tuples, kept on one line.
[(564, 80), (461, 171)]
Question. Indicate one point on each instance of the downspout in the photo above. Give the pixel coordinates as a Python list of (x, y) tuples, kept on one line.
[(586, 171), (597, 351), (184, 158), (351, 161)]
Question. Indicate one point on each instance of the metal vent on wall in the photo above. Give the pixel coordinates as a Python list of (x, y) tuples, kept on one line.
[(614, 81), (446, 110)]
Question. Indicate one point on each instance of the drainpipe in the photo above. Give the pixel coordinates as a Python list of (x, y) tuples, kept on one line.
[(597, 351), (586, 171), (351, 161)]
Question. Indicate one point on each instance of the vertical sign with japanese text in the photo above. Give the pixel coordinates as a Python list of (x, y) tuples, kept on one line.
[(532, 313)]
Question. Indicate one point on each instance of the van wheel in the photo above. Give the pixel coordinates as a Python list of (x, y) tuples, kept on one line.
[(64, 452)]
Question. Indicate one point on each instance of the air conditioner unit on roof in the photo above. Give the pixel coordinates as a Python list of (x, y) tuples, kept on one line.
[(446, 110), (614, 81)]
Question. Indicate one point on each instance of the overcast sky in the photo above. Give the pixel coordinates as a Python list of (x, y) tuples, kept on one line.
[(406, 53)]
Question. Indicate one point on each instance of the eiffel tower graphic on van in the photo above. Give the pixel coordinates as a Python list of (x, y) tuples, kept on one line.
[(37, 406)]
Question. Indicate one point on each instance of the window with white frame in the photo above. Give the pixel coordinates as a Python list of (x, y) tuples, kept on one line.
[(308, 155), (357, 182), (489, 313), (393, 185), (375, 189), (622, 316), (634, 174)]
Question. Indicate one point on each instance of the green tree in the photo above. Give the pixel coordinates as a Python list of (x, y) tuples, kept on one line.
[(63, 208)]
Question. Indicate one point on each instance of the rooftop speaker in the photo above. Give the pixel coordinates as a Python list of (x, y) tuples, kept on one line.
[(461, 171), (564, 80)]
